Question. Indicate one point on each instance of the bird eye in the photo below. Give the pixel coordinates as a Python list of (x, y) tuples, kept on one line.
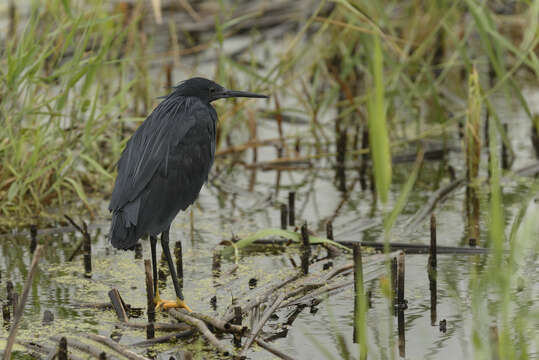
[(212, 90)]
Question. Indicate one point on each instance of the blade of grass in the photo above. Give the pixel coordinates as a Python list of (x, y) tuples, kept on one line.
[(378, 134)]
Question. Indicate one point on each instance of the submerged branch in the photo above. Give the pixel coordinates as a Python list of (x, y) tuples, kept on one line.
[(438, 196), (273, 350), (409, 248)]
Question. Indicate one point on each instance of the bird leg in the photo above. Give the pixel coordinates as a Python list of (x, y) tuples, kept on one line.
[(153, 244), (179, 303)]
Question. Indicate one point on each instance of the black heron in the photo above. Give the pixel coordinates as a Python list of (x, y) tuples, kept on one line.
[(163, 167)]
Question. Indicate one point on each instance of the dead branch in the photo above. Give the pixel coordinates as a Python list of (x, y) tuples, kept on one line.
[(84, 347), (273, 350), (116, 347), (219, 324), (201, 326), (429, 206), (157, 326), (260, 325), (165, 339), (252, 303)]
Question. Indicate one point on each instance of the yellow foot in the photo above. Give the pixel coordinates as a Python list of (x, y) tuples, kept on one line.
[(171, 304)]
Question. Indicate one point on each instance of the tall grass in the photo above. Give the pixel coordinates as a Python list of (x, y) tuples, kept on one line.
[(418, 90), (376, 109), (498, 288), (62, 91)]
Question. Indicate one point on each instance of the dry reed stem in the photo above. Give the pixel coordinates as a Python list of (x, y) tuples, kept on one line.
[(116, 347), (261, 298), (260, 325), (84, 347), (201, 326), (219, 324), (18, 313), (165, 338)]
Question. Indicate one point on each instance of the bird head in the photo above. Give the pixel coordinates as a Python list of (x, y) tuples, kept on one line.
[(209, 91)]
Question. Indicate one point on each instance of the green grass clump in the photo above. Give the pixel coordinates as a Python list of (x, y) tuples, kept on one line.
[(62, 90)]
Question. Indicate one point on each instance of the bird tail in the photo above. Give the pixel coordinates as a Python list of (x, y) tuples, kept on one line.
[(122, 233)]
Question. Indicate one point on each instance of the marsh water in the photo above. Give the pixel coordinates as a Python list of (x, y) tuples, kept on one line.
[(239, 201)]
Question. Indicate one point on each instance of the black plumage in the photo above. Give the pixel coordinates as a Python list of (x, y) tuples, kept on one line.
[(165, 164), (162, 168)]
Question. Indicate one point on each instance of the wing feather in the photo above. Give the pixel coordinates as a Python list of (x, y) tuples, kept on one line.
[(150, 144)]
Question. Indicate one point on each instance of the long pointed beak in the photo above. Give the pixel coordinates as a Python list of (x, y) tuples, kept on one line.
[(234, 93)]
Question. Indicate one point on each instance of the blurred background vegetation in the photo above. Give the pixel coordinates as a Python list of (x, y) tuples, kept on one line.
[(77, 77), (369, 80)]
